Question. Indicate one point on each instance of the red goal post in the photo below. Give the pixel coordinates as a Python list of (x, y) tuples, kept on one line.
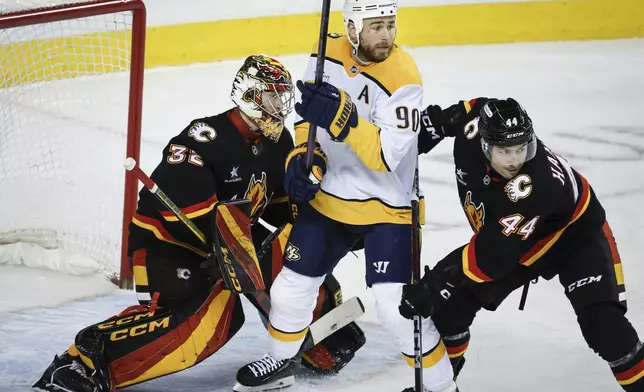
[(37, 67)]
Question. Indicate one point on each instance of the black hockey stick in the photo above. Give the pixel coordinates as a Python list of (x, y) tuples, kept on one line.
[(319, 74), (415, 262), (524, 293), (524, 296)]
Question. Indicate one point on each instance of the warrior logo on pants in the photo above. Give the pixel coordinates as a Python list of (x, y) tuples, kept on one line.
[(381, 267)]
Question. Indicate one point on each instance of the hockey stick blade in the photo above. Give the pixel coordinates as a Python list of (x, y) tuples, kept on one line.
[(336, 318)]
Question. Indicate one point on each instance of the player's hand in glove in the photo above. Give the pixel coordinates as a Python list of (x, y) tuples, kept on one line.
[(431, 129), (300, 185), (426, 296), (328, 107), (437, 124)]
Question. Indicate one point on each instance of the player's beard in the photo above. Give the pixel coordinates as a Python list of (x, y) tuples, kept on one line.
[(375, 53)]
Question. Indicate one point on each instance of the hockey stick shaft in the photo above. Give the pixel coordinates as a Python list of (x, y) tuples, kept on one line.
[(524, 296), (415, 258), (319, 74)]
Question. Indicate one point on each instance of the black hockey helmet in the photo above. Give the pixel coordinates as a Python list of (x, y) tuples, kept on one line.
[(505, 123)]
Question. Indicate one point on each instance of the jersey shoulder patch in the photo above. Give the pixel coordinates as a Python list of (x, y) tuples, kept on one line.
[(201, 131)]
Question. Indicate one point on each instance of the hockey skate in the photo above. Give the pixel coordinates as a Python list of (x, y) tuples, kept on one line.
[(267, 374), (65, 374)]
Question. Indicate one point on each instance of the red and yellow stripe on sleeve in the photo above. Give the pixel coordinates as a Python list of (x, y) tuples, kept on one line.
[(192, 211), (161, 233), (470, 268)]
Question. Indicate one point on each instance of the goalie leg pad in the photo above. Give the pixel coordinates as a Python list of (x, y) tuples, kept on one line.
[(234, 247), (142, 343), (174, 341)]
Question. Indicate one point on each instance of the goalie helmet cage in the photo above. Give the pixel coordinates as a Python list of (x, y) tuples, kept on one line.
[(71, 88)]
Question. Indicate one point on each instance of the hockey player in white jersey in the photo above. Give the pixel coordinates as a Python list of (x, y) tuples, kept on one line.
[(368, 115)]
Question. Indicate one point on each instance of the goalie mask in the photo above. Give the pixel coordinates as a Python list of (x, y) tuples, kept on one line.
[(263, 91)]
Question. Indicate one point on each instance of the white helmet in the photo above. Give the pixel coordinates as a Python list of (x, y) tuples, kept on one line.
[(355, 11)]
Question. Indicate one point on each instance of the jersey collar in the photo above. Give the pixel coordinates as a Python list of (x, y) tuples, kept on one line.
[(243, 128), (494, 176)]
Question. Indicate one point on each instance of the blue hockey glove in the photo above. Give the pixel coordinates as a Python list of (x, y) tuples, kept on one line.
[(328, 107), (298, 183)]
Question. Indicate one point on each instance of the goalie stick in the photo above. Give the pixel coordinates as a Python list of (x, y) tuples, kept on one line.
[(323, 327)]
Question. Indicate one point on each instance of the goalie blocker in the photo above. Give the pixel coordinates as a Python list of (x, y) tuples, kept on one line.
[(191, 313)]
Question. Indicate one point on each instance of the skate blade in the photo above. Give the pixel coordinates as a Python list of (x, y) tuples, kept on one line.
[(274, 386)]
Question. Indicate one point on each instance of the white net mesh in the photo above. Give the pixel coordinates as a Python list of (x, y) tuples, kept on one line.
[(64, 99)]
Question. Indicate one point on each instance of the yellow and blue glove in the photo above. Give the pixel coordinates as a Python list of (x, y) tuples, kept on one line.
[(328, 107), (299, 184)]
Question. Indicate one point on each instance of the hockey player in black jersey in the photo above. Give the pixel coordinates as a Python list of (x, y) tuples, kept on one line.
[(186, 312), (532, 216)]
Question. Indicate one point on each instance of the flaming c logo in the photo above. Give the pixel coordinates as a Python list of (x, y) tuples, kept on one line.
[(256, 193), (475, 214)]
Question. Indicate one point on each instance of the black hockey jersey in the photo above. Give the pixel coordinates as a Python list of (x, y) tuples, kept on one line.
[(212, 159), (529, 220)]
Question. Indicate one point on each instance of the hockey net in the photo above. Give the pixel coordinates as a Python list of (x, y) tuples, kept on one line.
[(71, 80)]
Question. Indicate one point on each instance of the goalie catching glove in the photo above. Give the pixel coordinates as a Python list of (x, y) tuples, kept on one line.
[(328, 107)]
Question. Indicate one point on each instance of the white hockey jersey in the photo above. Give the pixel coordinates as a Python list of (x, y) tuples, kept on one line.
[(370, 175)]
